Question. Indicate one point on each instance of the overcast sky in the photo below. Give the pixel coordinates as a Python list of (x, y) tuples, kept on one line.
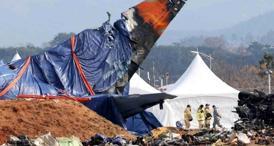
[(37, 21)]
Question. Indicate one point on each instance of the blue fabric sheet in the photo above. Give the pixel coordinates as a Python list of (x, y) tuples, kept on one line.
[(142, 123), (105, 106), (104, 55)]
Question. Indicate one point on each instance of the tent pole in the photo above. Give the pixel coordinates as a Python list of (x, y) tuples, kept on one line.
[(269, 83)]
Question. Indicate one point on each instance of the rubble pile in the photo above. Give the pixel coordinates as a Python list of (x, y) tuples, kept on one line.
[(211, 137), (256, 111), (166, 136), (175, 136), (50, 140), (99, 139), (63, 118)]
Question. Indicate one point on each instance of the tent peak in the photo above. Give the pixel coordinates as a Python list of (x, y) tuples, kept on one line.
[(139, 86), (16, 57), (198, 80)]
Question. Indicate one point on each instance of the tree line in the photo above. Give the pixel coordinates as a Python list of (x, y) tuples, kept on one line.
[(240, 66)]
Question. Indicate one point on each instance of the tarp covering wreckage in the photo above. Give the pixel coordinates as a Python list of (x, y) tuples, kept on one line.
[(90, 62), (95, 61)]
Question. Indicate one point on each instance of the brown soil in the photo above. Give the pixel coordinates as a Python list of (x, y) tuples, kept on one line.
[(62, 118)]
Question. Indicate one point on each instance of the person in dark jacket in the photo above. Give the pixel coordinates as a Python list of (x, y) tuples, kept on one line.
[(216, 118)]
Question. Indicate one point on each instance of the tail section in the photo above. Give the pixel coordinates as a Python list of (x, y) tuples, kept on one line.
[(146, 22)]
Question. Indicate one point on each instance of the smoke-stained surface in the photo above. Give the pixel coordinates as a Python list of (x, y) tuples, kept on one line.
[(151, 18)]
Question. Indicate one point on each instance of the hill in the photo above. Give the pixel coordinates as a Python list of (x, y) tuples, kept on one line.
[(256, 28), (60, 117)]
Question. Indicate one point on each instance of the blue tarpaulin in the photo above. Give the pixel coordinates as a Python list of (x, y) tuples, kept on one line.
[(105, 106), (103, 53), (123, 110), (142, 123)]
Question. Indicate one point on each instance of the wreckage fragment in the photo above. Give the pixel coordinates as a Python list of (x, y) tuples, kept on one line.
[(256, 110)]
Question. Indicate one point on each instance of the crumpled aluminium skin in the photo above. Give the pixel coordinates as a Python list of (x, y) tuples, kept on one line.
[(109, 55)]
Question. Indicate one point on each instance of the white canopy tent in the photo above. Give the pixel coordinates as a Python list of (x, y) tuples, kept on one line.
[(198, 85), (16, 57), (1, 62), (139, 86), (199, 80)]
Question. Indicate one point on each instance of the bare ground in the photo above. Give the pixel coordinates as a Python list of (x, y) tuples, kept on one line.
[(60, 117)]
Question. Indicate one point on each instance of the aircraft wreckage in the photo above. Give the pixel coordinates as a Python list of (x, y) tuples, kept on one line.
[(96, 63)]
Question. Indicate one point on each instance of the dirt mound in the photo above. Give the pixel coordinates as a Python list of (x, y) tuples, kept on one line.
[(60, 117)]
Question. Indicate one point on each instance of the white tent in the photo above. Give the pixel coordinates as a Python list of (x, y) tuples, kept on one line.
[(199, 80), (1, 62), (139, 86), (16, 57), (198, 85)]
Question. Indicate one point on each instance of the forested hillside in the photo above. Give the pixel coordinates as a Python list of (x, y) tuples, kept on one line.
[(238, 66), (6, 54)]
